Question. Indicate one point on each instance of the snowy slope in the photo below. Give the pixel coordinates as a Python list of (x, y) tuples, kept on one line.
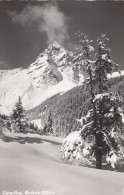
[(14, 84), (47, 76), (40, 169)]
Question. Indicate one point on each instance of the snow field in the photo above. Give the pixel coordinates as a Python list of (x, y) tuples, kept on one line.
[(37, 166)]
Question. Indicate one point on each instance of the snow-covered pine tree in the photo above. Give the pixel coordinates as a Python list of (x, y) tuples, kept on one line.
[(18, 115), (104, 120), (105, 116)]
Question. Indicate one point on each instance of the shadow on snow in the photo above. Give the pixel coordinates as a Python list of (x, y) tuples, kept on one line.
[(21, 140), (26, 139)]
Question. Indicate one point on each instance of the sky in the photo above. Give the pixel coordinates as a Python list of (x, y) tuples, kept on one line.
[(27, 28)]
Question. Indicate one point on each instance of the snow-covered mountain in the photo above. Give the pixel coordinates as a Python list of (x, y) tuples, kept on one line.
[(50, 74)]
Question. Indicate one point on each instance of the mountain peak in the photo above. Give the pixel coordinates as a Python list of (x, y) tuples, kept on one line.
[(54, 48), (56, 44)]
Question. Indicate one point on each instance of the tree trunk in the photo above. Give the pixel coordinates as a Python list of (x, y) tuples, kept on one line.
[(99, 159)]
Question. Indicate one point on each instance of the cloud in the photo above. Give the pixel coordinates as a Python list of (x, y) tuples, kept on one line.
[(4, 65), (48, 18)]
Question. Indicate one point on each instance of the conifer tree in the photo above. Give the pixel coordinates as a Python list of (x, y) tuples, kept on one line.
[(48, 126), (107, 115), (104, 120), (18, 115)]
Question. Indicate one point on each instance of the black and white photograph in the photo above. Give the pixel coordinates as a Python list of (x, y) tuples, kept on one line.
[(61, 97)]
